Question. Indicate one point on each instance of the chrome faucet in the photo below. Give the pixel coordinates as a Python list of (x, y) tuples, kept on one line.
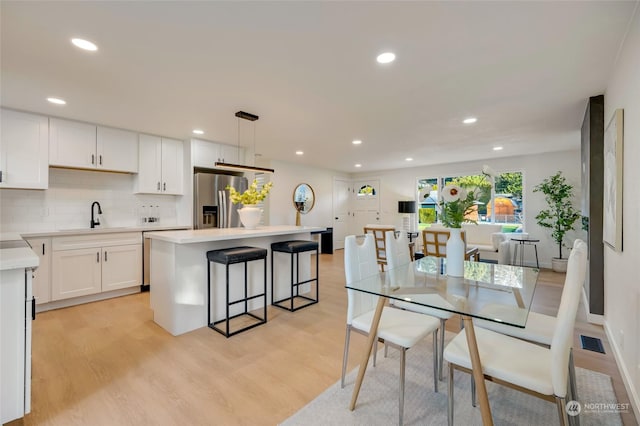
[(95, 222)]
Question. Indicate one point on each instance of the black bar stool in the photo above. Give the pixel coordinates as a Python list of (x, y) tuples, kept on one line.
[(295, 247), (228, 257)]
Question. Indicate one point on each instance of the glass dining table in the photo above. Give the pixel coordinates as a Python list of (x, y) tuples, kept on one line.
[(492, 292)]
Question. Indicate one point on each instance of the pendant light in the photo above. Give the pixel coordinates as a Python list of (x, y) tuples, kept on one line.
[(242, 167)]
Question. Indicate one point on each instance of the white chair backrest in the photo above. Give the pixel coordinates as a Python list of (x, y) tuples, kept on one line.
[(397, 249), (359, 262), (563, 334)]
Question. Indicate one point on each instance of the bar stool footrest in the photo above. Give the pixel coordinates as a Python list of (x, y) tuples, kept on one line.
[(260, 321), (310, 301)]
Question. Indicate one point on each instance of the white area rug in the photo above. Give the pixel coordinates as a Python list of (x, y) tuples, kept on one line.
[(378, 399)]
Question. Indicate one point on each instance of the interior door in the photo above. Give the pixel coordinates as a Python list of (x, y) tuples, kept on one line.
[(366, 204), (341, 193)]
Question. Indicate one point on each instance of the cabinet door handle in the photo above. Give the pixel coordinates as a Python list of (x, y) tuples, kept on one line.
[(93, 159), (158, 186), (98, 257), (0, 175), (43, 249), (105, 256), (100, 159), (164, 186), (33, 308)]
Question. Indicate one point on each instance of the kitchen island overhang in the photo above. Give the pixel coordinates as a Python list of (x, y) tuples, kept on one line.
[(178, 282)]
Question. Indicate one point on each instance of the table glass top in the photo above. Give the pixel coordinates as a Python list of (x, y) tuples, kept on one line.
[(499, 293)]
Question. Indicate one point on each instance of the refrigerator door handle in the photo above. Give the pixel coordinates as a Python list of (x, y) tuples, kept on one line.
[(222, 208)]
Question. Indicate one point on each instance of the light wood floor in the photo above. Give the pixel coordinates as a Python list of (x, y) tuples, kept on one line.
[(108, 363)]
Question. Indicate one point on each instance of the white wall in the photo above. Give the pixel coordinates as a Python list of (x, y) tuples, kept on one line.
[(399, 185), (67, 202), (285, 179), (621, 284)]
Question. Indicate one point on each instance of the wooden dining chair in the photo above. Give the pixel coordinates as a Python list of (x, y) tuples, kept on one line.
[(525, 366), (398, 255), (398, 328), (378, 232), (434, 243)]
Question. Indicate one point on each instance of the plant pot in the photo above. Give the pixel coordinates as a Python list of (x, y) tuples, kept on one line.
[(559, 265), (250, 216)]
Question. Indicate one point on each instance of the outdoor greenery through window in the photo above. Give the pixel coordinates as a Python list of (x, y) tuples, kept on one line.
[(503, 205)]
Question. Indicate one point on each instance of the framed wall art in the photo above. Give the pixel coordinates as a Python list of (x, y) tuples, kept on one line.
[(612, 196)]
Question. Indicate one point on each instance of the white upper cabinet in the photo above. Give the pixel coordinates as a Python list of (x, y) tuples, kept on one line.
[(24, 150), (160, 166), (206, 154), (72, 144), (231, 154), (87, 146), (117, 150)]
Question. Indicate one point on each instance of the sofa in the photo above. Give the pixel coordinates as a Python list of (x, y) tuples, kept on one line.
[(492, 243)]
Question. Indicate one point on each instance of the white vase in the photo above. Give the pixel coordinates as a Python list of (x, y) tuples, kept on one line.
[(250, 216), (455, 253)]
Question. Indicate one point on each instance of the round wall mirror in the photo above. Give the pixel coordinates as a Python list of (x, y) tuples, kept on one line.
[(304, 198)]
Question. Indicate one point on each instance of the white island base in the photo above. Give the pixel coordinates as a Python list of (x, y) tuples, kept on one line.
[(179, 272)]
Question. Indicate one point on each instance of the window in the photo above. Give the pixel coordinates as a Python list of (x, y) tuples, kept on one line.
[(501, 203)]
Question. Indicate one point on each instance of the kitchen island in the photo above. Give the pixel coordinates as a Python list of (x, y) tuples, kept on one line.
[(179, 271)]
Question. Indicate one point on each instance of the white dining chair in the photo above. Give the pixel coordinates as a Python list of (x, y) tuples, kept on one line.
[(398, 255), (525, 366), (398, 328), (539, 328)]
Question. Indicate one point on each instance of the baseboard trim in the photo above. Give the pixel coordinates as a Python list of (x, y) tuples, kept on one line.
[(632, 392), (591, 318), (57, 304)]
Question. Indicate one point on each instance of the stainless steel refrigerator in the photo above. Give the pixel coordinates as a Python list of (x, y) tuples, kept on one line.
[(212, 207)]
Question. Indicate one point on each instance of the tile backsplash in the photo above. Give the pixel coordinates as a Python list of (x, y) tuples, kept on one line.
[(67, 203)]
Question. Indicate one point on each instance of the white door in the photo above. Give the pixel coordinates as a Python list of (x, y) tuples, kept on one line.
[(121, 266), (172, 167), (72, 144), (149, 178), (341, 197), (24, 150), (41, 280), (117, 150), (75, 273), (366, 205)]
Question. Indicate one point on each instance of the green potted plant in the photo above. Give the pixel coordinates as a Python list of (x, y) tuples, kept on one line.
[(560, 216)]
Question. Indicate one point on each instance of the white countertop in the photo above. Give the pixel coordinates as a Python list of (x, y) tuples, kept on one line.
[(223, 234), (18, 258), (89, 231)]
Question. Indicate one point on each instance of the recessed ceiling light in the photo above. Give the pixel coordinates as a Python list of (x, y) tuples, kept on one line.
[(57, 101), (299, 152), (357, 165), (84, 44), (357, 142), (497, 148), (198, 132), (386, 57), (469, 120), (408, 159)]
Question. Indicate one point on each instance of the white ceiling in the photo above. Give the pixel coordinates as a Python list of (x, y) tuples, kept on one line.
[(308, 69)]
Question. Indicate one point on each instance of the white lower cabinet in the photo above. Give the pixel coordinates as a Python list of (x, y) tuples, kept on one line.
[(121, 267), (15, 343), (84, 265), (76, 273), (41, 277)]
